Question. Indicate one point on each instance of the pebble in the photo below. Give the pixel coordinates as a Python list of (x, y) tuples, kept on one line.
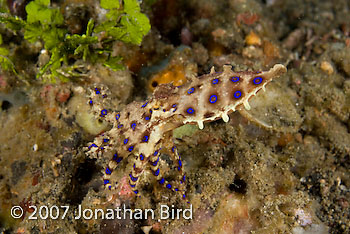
[(327, 67)]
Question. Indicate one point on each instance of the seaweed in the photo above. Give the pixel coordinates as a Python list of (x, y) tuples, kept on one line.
[(123, 22), (5, 62)]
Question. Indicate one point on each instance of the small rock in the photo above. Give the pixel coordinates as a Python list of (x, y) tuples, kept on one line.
[(146, 229), (35, 147), (327, 67), (253, 39), (18, 169)]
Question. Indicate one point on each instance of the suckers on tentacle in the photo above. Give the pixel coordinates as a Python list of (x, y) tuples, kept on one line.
[(144, 129)]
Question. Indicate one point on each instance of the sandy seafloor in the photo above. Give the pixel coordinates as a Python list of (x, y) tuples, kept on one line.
[(283, 167)]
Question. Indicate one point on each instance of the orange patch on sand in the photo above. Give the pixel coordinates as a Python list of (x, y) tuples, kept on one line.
[(173, 74)]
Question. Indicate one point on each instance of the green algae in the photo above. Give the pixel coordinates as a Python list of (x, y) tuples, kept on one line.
[(46, 24)]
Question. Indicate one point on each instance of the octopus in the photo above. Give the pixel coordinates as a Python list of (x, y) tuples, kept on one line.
[(143, 129)]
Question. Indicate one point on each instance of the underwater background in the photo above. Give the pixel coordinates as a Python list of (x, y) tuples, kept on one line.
[(280, 167)]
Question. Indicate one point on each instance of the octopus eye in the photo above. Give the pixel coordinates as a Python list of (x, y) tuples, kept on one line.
[(154, 84)]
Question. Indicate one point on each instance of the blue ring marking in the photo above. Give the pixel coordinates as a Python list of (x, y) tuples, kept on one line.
[(257, 80), (102, 148), (132, 186), (103, 112), (190, 111), (176, 189), (168, 186), (179, 168), (120, 125), (174, 105), (144, 105), (117, 116), (91, 102), (133, 126), (134, 166), (156, 173), (180, 163), (156, 162), (92, 145), (147, 118), (162, 181), (97, 91), (174, 109), (150, 111), (184, 178), (191, 90), (237, 94), (104, 95), (145, 138), (136, 191), (142, 157), (155, 153), (164, 110), (184, 196), (130, 148), (134, 179), (108, 171), (173, 149), (126, 141), (106, 181), (215, 81), (234, 78), (117, 159), (105, 140), (109, 187), (213, 98)]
